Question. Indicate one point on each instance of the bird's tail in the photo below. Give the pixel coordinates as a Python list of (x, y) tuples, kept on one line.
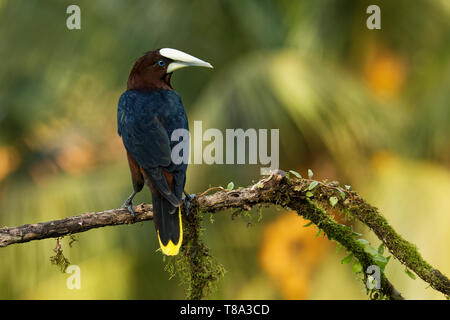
[(168, 224)]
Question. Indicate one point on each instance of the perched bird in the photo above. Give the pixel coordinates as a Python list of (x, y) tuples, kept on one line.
[(148, 113)]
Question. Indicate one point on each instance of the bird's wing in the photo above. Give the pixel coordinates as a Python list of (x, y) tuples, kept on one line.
[(146, 140)]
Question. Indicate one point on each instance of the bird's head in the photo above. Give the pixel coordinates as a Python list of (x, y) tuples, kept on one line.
[(154, 69)]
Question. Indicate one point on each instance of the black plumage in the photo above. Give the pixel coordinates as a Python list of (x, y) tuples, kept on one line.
[(149, 111), (146, 121)]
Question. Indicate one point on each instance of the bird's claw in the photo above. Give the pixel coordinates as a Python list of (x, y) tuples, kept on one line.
[(187, 202), (129, 206)]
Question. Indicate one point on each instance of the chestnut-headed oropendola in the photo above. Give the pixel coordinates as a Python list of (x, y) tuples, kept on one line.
[(148, 113)]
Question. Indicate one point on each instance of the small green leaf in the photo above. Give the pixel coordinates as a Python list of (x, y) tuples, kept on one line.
[(347, 187), (357, 267), (298, 188), (295, 173), (312, 185), (230, 186), (347, 259), (333, 201), (410, 274), (370, 250), (310, 173), (342, 193), (318, 233), (363, 241), (308, 224), (381, 249), (309, 194), (381, 261), (370, 282)]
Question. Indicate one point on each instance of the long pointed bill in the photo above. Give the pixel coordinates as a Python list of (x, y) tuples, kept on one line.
[(182, 60)]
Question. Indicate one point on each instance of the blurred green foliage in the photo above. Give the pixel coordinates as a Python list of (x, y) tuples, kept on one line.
[(367, 107)]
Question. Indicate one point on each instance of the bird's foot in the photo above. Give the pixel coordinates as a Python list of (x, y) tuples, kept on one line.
[(128, 204), (187, 201), (129, 207)]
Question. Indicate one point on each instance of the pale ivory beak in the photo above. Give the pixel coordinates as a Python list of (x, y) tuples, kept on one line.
[(182, 60)]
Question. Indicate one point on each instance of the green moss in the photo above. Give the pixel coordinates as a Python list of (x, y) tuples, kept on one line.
[(59, 259), (346, 237), (404, 251), (196, 268)]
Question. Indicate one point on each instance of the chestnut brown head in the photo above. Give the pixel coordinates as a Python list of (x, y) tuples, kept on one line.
[(153, 70)]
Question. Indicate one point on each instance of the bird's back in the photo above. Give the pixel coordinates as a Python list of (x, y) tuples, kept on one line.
[(138, 106)]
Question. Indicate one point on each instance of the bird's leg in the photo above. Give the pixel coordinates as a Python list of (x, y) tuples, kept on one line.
[(187, 201), (129, 204)]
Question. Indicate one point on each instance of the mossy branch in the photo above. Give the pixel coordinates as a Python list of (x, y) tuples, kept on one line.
[(311, 199)]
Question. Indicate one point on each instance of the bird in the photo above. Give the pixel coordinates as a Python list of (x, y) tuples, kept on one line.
[(148, 112)]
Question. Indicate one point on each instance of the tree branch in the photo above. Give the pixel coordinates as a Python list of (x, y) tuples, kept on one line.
[(74, 224), (311, 199)]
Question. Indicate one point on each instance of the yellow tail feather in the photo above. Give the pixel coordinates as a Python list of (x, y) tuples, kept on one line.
[(172, 249)]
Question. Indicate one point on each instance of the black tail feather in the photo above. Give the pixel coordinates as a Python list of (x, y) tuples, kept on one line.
[(168, 225), (160, 183)]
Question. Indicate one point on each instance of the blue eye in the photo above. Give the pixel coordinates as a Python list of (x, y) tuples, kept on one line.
[(161, 63)]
